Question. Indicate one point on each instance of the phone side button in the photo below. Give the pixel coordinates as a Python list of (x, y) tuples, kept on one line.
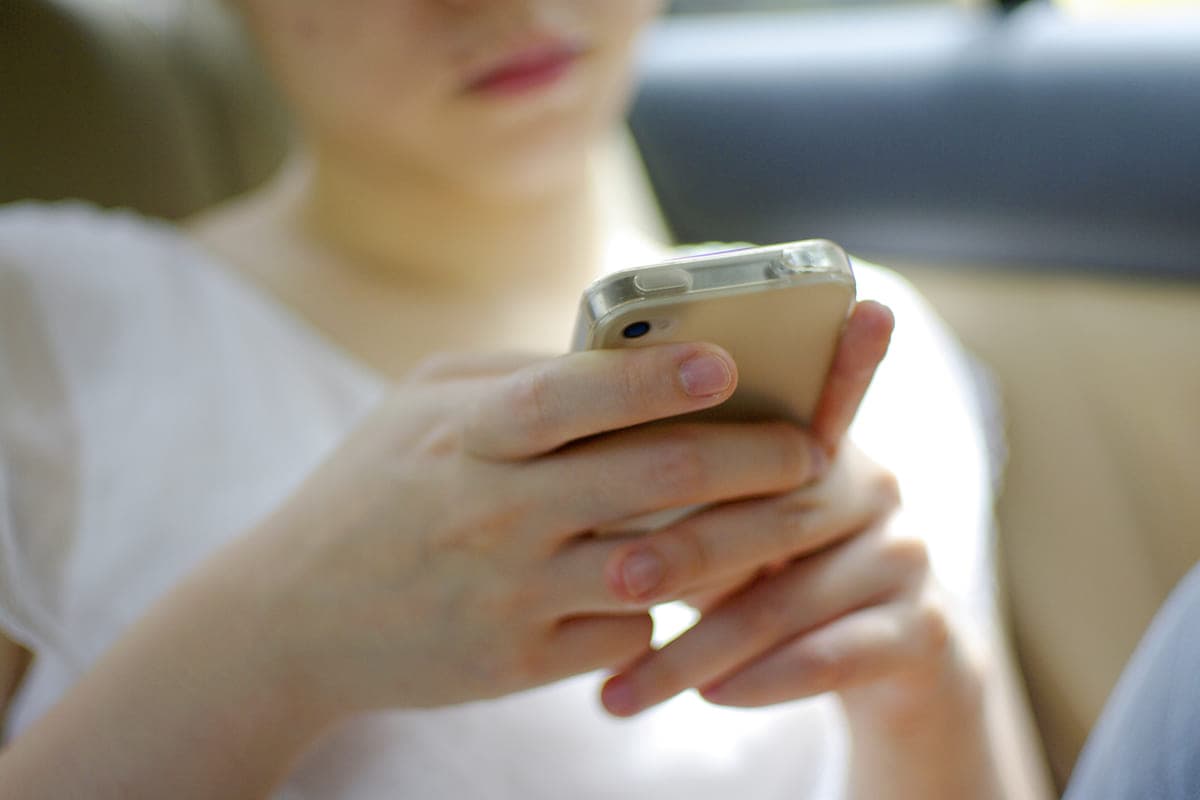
[(662, 281)]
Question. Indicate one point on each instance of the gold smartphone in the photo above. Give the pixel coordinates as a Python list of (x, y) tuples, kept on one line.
[(778, 310)]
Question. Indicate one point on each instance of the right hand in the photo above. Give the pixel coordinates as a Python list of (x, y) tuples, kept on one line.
[(443, 555)]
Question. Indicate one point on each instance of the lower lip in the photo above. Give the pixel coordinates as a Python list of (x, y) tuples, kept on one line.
[(526, 78)]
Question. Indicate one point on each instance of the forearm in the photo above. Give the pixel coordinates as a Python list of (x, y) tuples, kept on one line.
[(968, 738), (191, 703), (940, 747)]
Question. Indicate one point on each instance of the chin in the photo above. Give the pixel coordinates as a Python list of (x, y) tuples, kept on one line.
[(542, 148), (531, 168)]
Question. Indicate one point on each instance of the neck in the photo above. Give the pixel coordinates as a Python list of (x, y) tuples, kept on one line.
[(370, 262), (420, 233)]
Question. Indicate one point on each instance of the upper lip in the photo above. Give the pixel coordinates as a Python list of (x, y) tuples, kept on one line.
[(533, 52)]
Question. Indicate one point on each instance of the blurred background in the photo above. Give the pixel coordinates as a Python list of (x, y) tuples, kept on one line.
[(1034, 168)]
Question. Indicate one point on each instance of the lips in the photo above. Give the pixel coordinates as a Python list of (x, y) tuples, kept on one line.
[(526, 70)]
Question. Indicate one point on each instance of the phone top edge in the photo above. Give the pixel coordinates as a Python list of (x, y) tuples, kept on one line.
[(745, 269)]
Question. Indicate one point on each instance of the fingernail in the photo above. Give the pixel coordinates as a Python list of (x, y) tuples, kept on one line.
[(618, 697), (642, 572), (705, 375)]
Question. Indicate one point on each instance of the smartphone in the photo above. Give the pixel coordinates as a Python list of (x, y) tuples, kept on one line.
[(778, 310)]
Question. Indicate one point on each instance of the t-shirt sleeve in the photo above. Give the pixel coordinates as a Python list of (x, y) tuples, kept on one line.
[(38, 445), (12, 622)]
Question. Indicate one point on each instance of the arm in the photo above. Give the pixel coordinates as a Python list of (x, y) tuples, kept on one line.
[(855, 613), (942, 455), (960, 731), (934, 744), (448, 532), (851, 607), (188, 704)]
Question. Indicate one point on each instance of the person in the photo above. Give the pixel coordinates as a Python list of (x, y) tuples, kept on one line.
[(1144, 743), (260, 538)]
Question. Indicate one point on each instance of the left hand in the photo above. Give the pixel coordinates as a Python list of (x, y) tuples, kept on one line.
[(850, 608), (844, 602)]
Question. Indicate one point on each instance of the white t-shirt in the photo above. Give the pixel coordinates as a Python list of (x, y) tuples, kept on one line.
[(153, 406)]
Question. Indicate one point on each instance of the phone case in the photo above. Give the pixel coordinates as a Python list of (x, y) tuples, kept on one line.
[(778, 310)]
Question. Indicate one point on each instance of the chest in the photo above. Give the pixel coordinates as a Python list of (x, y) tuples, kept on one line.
[(392, 335)]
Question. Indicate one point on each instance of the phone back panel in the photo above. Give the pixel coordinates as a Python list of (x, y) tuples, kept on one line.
[(782, 337)]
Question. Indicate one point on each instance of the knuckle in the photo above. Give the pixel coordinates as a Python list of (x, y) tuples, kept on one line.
[(795, 508), (765, 619), (909, 555), (932, 626), (677, 466), (531, 401), (692, 557), (793, 517), (516, 600), (633, 384), (887, 490), (479, 527), (821, 664), (793, 454), (794, 526)]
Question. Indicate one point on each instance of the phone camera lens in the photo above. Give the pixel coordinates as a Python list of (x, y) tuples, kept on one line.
[(636, 330)]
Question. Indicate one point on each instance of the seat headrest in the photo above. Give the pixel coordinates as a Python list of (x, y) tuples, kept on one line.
[(103, 105)]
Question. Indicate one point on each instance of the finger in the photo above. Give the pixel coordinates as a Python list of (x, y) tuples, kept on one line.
[(539, 408), (450, 366), (711, 594), (848, 653), (711, 464), (584, 644), (613, 571), (604, 481), (723, 544), (719, 545), (810, 593), (863, 345)]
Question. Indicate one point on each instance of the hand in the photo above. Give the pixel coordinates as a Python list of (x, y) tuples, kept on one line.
[(774, 555), (442, 554), (766, 543), (843, 604)]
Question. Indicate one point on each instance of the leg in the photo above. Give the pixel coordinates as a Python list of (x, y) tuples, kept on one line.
[(1147, 742)]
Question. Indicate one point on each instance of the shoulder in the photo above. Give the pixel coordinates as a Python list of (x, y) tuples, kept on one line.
[(39, 229), (83, 246), (96, 306), (79, 276)]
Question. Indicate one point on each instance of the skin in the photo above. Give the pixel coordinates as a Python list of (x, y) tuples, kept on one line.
[(452, 528), (367, 104), (378, 586)]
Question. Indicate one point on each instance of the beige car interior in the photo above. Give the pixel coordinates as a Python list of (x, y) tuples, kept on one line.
[(1100, 378)]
